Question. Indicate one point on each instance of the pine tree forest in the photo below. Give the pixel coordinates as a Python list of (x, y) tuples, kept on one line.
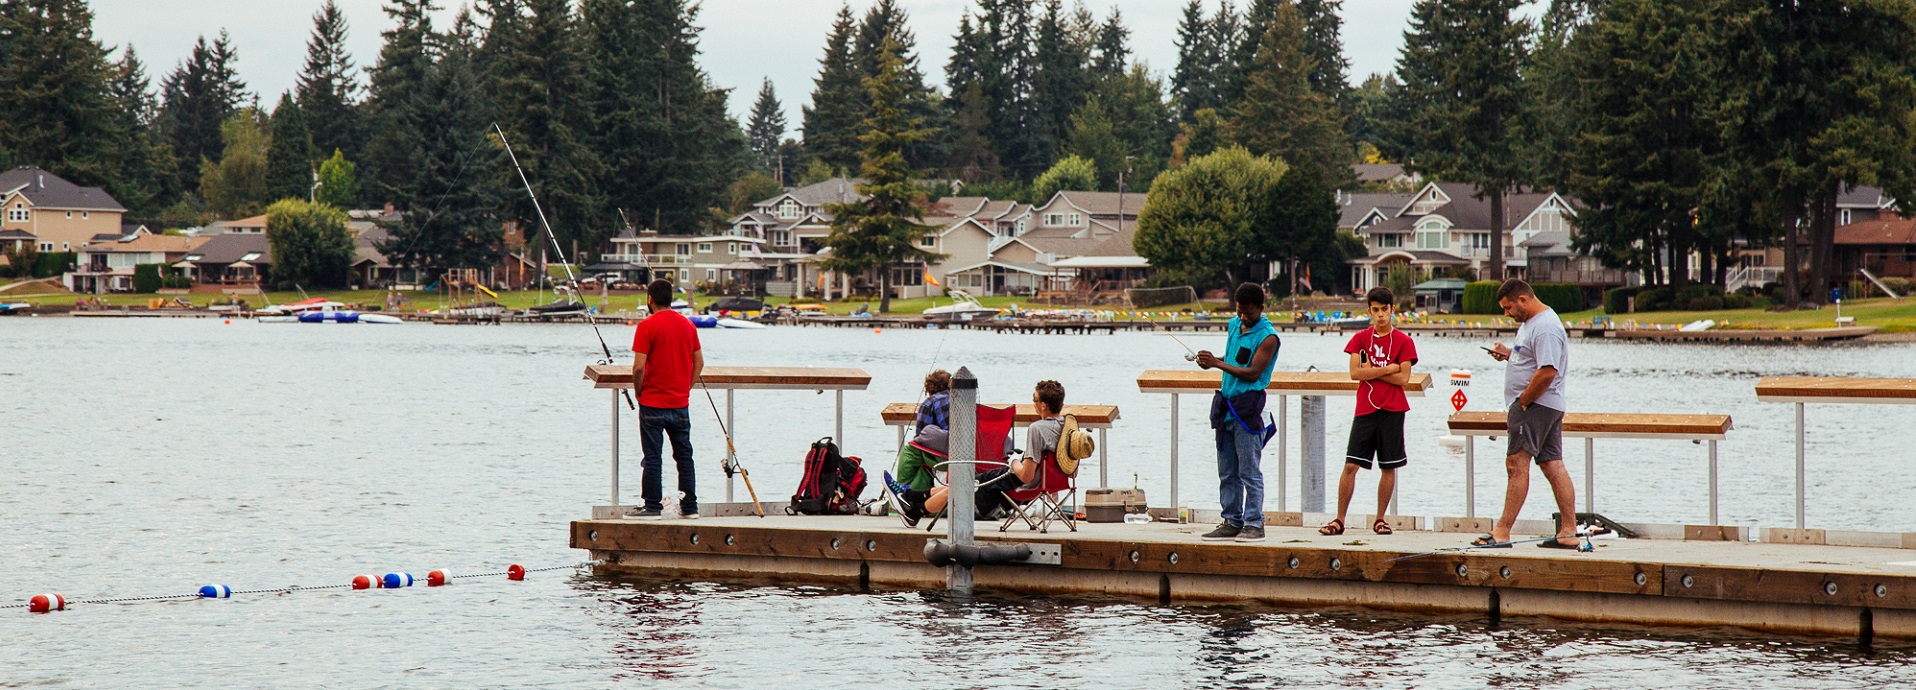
[(1680, 128)]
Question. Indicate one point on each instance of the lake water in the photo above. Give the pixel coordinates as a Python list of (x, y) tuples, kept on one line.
[(148, 457)]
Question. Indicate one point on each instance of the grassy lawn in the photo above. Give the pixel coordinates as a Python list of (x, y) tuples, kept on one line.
[(1893, 316)]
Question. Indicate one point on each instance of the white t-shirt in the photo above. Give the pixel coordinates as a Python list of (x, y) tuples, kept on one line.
[(1541, 342)]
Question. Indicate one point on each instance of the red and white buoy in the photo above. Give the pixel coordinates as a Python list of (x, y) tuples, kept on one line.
[(42, 603), (515, 572), (438, 577), (365, 582)]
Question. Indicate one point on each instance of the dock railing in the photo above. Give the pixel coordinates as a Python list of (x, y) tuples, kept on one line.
[(902, 415), (1591, 426), (618, 377), (1829, 389), (1312, 386)]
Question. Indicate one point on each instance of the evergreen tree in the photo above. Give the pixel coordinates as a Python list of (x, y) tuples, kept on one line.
[(1007, 67), (537, 72), (1462, 98), (393, 103), (1300, 233), (971, 157), (54, 90), (1241, 49), (1142, 121), (1370, 114), (338, 181), (882, 230), (1280, 115), (198, 98), (767, 127), (454, 203), (838, 99), (1093, 139), (328, 87), (1204, 135), (1113, 52), (1059, 83), (669, 155), (289, 158), (1194, 84), (1324, 43), (885, 21), (235, 185), (145, 174)]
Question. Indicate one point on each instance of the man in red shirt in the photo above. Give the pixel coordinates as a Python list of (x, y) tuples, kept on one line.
[(1381, 357), (666, 359)]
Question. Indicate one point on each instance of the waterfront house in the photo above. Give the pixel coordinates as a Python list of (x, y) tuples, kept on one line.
[(60, 215), (235, 263), (1443, 229), (108, 266), (1886, 247)]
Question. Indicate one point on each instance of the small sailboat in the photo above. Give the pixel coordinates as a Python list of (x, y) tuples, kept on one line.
[(963, 307)]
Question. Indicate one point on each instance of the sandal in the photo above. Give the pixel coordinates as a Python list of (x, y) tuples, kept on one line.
[(1489, 542), (1558, 544), (1381, 526), (1332, 528)]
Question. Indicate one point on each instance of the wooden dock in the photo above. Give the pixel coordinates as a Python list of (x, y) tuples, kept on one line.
[(1775, 587), (1806, 335)]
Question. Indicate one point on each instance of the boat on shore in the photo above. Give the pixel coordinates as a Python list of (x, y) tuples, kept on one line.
[(963, 307)]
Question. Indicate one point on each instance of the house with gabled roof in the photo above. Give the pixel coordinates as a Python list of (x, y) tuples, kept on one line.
[(1444, 229), (61, 216), (108, 266)]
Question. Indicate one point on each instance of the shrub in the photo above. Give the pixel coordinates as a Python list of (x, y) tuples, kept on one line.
[(1653, 299), (147, 277), (1705, 303), (1737, 301), (1563, 297), (1761, 302), (1617, 300), (50, 264), (1696, 291), (1480, 297), (1898, 285)]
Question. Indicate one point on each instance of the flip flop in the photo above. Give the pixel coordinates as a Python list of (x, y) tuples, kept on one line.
[(1556, 544), (1381, 526), (1489, 542)]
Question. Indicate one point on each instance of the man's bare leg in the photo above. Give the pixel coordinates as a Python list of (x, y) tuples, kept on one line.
[(1518, 467), (1566, 494), (1386, 486)]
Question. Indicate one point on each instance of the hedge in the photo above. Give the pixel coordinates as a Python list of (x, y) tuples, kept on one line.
[(1480, 297), (147, 277), (50, 264), (1617, 300)]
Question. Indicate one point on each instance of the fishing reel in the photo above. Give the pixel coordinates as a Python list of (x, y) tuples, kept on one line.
[(1188, 357)]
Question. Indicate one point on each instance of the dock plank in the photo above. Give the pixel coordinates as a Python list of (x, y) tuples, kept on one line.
[(1835, 389), (1094, 416), (1290, 382)]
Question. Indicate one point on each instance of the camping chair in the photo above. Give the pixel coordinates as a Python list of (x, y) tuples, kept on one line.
[(1038, 507), (994, 427)]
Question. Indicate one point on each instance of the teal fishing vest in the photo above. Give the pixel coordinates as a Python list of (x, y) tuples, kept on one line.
[(1240, 350)]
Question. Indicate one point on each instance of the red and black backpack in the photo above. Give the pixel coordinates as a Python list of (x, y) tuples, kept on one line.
[(831, 483)]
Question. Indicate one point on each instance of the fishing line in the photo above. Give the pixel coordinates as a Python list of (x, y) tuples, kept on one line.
[(731, 463), (572, 280), (1189, 354)]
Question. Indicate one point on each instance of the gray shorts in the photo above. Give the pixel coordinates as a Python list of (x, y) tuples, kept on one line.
[(1537, 431)]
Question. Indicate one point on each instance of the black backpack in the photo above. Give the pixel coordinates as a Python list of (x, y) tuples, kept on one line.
[(831, 483)]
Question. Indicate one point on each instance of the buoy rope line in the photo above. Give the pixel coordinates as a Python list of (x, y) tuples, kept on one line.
[(42, 603)]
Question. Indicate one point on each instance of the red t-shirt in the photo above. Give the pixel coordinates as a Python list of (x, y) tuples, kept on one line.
[(668, 340), (1382, 351)]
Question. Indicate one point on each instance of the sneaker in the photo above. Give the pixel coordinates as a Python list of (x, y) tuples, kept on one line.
[(689, 516), (895, 494), (1251, 533), (1224, 532), (897, 488), (645, 513)]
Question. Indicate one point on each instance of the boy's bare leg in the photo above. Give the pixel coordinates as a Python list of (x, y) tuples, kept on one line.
[(1346, 485), (1518, 467), (1386, 487)]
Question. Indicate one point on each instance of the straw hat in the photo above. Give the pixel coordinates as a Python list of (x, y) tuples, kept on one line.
[(1074, 444)]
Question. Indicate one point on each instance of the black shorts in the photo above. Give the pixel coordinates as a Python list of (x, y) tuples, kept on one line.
[(988, 499), (1379, 435)]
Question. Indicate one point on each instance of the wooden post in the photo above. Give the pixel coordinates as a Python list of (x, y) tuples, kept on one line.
[(1311, 455), (962, 473)]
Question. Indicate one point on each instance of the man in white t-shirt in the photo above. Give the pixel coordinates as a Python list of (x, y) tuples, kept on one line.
[(1533, 393)]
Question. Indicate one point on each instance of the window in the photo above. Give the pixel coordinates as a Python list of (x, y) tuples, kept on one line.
[(789, 209), (1020, 230), (928, 241), (66, 247), (85, 215), (46, 246), (705, 247), (1388, 241), (731, 248), (684, 249), (18, 214), (250, 256), (1074, 220), (1479, 240), (1438, 239), (69, 215), (907, 276), (711, 274), (1053, 219), (1844, 218)]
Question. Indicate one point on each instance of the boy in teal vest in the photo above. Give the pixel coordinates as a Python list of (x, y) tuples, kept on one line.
[(1237, 415)]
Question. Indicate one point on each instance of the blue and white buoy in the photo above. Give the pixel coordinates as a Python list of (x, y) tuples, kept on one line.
[(396, 580), (216, 592)]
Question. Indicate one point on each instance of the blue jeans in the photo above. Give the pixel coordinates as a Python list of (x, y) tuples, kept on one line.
[(1240, 474), (654, 424)]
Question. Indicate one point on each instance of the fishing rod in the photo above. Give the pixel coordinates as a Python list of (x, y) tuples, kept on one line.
[(572, 279), (731, 451), (1189, 354), (1584, 547)]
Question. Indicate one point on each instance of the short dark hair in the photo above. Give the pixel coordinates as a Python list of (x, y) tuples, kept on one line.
[(1051, 393), (660, 291), (1513, 288), (937, 382), (1380, 295), (1249, 293)]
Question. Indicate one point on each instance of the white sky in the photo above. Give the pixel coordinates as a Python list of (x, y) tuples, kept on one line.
[(744, 41)]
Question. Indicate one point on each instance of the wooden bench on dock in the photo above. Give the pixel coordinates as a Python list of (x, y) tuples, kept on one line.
[(1591, 426), (902, 415), (1176, 382), (1829, 389), (618, 377)]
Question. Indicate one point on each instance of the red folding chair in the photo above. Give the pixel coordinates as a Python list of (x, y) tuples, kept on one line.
[(1044, 504), (991, 444)]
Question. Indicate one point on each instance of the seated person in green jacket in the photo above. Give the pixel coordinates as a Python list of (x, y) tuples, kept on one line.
[(913, 505), (928, 436)]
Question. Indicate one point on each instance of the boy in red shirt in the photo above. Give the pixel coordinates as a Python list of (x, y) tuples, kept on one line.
[(1381, 357), (666, 360)]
